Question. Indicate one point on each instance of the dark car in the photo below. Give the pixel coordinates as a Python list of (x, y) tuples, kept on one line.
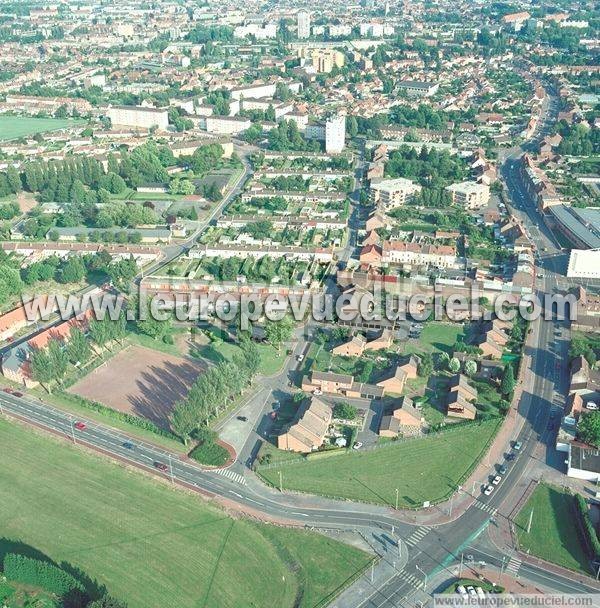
[(510, 456), (17, 394), (502, 470), (128, 445), (243, 418), (161, 466)]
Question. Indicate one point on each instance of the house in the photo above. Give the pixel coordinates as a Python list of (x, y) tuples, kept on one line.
[(377, 219), (460, 398), (354, 347), (585, 381), (583, 462), (16, 361), (371, 255), (395, 383), (489, 348), (308, 429), (16, 319), (411, 367), (403, 418), (340, 384), (385, 340)]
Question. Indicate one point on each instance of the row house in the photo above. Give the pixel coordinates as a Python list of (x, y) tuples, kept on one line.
[(224, 251)]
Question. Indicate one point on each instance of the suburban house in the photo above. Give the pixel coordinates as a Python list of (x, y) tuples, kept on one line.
[(308, 429), (354, 347), (395, 383), (340, 384), (16, 361), (383, 341), (461, 397), (403, 418)]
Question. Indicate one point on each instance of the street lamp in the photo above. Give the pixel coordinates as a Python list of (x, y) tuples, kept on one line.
[(424, 577)]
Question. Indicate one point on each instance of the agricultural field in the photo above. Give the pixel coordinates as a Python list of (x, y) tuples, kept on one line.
[(13, 127), (419, 468), (150, 545), (554, 535)]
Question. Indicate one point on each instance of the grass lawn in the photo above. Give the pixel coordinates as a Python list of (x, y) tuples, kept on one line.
[(554, 534), (153, 546), (12, 127), (271, 360), (427, 468), (440, 336)]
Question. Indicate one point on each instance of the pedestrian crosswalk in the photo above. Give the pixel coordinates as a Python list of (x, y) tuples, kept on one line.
[(411, 579), (485, 507), (237, 477), (513, 565), (416, 537)]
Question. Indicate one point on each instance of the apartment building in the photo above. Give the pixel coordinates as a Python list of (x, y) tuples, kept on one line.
[(405, 254), (138, 116), (391, 193), (416, 88), (303, 25), (470, 195), (335, 134), (227, 125)]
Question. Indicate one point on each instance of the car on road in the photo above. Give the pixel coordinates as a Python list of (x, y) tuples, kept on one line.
[(357, 445), (80, 426), (502, 469), (8, 390), (518, 445), (488, 490), (128, 445), (242, 418), (496, 480), (161, 466), (17, 394)]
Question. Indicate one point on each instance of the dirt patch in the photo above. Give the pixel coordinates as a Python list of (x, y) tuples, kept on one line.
[(141, 381), (26, 202)]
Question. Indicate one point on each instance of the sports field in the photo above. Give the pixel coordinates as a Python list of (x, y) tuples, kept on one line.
[(151, 545), (13, 127), (422, 469), (554, 535)]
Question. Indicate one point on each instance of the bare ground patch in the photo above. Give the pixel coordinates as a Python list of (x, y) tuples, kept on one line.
[(142, 382)]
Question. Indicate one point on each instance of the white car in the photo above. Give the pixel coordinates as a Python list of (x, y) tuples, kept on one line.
[(300, 357), (471, 590), (496, 480), (317, 391), (357, 445), (489, 490)]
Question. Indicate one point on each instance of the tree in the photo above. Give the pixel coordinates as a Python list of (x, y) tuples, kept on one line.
[(72, 271), (344, 411), (507, 384), (78, 348), (279, 332), (107, 602), (58, 359), (99, 331), (184, 419), (155, 328), (352, 127), (470, 368), (588, 428), (425, 368), (41, 367), (454, 365), (14, 179)]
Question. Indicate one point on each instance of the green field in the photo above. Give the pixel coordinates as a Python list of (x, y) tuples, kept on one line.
[(13, 127), (422, 469), (151, 545), (554, 535), (437, 336)]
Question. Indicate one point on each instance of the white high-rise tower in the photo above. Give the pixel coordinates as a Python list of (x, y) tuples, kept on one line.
[(335, 134), (303, 24)]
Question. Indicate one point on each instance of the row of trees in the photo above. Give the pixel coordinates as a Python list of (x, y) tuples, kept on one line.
[(214, 389)]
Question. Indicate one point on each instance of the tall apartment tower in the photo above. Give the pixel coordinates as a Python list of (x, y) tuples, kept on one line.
[(335, 134), (303, 25)]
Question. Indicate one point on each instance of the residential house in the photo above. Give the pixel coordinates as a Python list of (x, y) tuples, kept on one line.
[(403, 418), (383, 341), (461, 397), (340, 384), (354, 347), (308, 429)]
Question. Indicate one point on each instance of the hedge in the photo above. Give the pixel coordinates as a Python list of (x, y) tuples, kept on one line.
[(210, 453), (41, 574), (140, 423), (588, 526)]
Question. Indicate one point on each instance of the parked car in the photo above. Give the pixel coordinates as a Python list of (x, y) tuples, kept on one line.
[(274, 415), (357, 445), (17, 394), (518, 445), (8, 390), (80, 426), (317, 391), (161, 466), (276, 405), (243, 418), (502, 470), (510, 456), (496, 480), (460, 589), (489, 489), (300, 358), (128, 445), (471, 590)]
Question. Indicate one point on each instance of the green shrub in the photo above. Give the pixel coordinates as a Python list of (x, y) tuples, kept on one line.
[(210, 453), (28, 571), (588, 526)]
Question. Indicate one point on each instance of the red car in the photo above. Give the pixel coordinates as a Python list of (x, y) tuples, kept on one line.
[(161, 466), (7, 390), (80, 426), (17, 394)]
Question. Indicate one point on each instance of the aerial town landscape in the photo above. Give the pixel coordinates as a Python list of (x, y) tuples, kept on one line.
[(299, 303)]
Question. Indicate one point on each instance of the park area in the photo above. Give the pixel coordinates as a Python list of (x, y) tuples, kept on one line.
[(554, 535), (13, 127), (150, 545), (424, 469), (141, 381)]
